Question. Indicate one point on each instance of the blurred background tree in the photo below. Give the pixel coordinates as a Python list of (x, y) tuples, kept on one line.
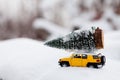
[(43, 19)]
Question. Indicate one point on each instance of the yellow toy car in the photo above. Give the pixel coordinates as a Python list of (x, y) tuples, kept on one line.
[(83, 60)]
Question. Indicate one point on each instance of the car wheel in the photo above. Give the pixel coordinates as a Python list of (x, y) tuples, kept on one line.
[(90, 65), (103, 60), (64, 64), (98, 66)]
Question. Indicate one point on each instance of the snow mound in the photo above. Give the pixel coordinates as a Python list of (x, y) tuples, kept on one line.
[(25, 59), (75, 73)]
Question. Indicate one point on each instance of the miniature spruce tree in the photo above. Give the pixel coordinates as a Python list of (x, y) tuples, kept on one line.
[(77, 40)]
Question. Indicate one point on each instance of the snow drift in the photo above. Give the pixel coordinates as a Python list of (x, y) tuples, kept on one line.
[(25, 59)]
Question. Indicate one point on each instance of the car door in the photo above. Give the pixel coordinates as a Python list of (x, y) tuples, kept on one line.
[(84, 60), (76, 61)]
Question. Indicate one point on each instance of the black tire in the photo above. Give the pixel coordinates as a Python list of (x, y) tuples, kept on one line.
[(103, 60), (64, 64), (89, 65), (97, 66), (93, 65)]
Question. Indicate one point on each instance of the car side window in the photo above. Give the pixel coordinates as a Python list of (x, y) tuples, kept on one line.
[(77, 56), (84, 56)]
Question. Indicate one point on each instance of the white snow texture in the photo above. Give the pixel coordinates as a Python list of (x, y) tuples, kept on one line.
[(25, 59)]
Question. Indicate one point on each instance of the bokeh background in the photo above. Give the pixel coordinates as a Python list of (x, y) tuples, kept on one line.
[(25, 25), (46, 19)]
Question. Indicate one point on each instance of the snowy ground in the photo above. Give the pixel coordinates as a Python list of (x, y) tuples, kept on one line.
[(24, 59)]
